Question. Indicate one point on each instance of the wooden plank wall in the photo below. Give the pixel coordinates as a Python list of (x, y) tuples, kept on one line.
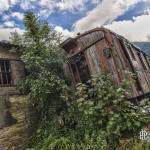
[(116, 56), (88, 39)]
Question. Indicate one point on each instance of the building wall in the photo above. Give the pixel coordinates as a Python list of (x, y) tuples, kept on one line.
[(6, 54), (17, 70)]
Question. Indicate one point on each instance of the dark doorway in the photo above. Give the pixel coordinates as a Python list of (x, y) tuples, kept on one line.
[(80, 68)]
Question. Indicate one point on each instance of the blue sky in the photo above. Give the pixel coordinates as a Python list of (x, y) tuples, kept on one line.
[(130, 18)]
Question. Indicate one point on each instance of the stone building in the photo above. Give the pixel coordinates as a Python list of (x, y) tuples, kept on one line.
[(11, 69), (16, 111)]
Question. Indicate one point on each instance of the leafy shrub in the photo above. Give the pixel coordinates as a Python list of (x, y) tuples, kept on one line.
[(43, 59), (98, 118)]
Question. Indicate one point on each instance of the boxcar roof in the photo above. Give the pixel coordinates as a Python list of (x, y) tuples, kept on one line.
[(67, 41)]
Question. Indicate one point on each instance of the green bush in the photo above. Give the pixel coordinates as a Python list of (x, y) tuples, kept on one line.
[(98, 118), (39, 50)]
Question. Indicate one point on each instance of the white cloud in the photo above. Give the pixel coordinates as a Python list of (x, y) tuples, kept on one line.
[(66, 33), (147, 11), (47, 3), (105, 12), (45, 12), (6, 4), (131, 2), (5, 17), (25, 5), (134, 30), (5, 33), (18, 15), (70, 5), (28, 4), (9, 24), (137, 30)]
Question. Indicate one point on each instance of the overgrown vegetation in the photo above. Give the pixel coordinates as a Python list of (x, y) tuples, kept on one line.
[(39, 50), (96, 116)]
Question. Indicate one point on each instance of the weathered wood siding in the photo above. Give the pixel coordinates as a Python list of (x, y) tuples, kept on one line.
[(107, 52), (89, 39), (92, 56)]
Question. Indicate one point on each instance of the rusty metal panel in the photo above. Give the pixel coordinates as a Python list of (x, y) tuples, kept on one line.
[(148, 59), (68, 73), (117, 63), (108, 37), (94, 64), (148, 76), (145, 61), (107, 61), (100, 46), (145, 74), (123, 56), (142, 67), (139, 59), (74, 71), (125, 65), (142, 81)]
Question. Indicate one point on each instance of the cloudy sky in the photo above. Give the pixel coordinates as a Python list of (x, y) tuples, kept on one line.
[(130, 18)]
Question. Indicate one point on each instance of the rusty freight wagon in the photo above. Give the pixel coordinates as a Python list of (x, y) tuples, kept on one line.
[(103, 51)]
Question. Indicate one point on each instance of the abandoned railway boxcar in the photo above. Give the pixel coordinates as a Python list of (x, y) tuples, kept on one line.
[(103, 51)]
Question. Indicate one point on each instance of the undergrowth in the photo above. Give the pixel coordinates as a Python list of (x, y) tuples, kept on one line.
[(97, 117)]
